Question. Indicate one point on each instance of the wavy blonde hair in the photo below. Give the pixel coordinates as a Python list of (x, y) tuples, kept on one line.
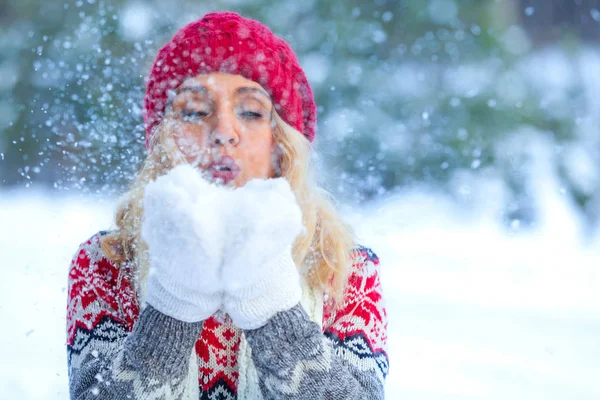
[(322, 253)]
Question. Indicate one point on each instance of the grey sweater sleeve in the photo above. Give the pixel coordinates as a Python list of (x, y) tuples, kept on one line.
[(151, 362), (295, 360)]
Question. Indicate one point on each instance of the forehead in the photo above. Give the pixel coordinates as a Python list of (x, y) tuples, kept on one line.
[(218, 82)]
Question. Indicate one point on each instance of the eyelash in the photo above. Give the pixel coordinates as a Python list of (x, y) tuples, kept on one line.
[(251, 115), (194, 115)]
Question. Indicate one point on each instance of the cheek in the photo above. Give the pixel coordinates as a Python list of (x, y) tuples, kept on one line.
[(260, 160), (190, 142), (254, 152)]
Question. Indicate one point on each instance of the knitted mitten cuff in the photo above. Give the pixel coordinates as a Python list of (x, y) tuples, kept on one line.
[(252, 306), (180, 303), (162, 343)]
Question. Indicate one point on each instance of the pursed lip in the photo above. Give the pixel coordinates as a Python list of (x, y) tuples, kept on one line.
[(225, 169)]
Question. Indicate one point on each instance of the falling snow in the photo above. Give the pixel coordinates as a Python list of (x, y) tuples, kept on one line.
[(460, 137)]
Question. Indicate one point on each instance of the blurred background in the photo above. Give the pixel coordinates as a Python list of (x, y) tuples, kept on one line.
[(409, 92), (461, 138)]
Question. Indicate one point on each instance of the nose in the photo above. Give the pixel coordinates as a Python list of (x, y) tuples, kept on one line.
[(224, 132)]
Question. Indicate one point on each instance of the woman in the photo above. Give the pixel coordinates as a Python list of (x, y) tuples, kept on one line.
[(230, 274)]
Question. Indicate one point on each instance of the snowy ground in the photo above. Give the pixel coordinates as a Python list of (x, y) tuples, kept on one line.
[(475, 312)]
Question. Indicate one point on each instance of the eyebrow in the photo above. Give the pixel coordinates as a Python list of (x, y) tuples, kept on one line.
[(195, 89), (240, 90), (204, 90), (249, 89)]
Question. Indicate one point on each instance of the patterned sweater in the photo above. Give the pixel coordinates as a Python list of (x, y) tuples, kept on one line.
[(116, 351)]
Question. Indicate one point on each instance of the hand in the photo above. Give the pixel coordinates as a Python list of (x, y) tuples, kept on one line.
[(184, 235), (260, 276)]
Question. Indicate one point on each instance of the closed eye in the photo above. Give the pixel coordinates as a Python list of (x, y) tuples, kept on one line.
[(188, 115), (251, 115)]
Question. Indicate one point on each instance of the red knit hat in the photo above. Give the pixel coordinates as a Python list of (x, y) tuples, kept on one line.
[(226, 42)]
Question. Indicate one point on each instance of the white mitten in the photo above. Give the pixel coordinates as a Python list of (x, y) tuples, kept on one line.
[(185, 243), (259, 275)]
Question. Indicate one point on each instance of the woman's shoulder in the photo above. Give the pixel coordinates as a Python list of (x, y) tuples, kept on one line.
[(90, 261), (360, 254), (364, 264), (98, 287), (361, 320), (92, 247), (363, 280)]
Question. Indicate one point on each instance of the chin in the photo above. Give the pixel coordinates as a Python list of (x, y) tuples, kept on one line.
[(239, 182)]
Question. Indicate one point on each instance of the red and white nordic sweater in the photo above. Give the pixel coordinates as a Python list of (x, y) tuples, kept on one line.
[(103, 307)]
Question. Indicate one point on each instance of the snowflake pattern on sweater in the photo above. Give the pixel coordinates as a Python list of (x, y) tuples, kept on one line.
[(102, 310)]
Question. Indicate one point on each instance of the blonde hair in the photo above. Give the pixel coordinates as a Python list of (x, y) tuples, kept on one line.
[(322, 253)]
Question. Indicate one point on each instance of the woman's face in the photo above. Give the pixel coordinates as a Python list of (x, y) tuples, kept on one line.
[(222, 124)]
